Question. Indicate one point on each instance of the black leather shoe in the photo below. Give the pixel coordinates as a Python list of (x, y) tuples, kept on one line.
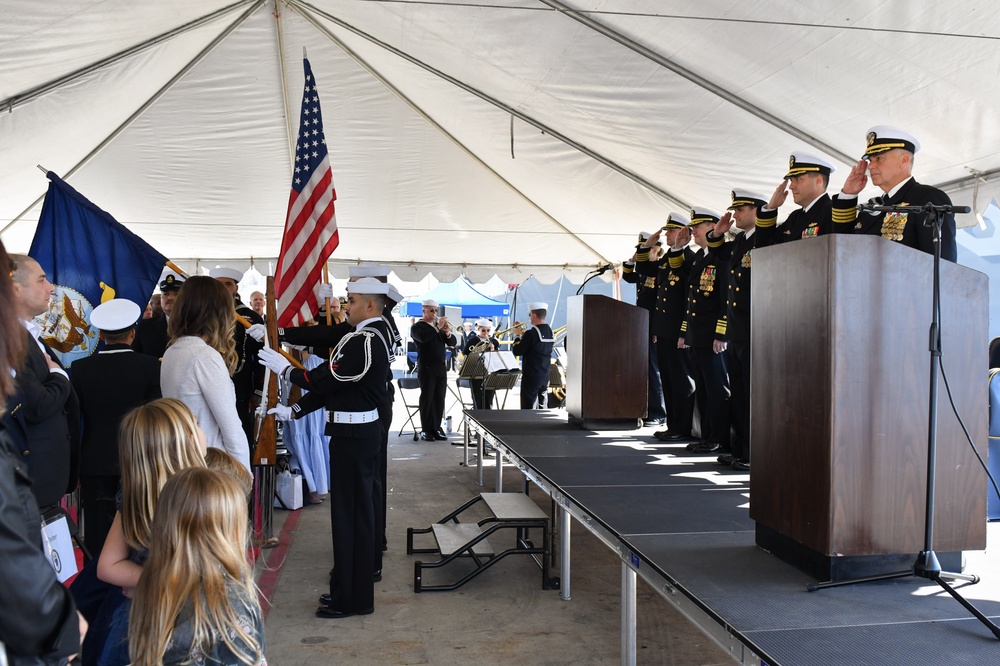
[(378, 576), (427, 437), (741, 466), (692, 445), (331, 614), (706, 447), (441, 434), (726, 459), (667, 436)]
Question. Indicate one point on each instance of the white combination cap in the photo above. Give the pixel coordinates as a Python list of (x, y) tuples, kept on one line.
[(221, 272), (117, 314)]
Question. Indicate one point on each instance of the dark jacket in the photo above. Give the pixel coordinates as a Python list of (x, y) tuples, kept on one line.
[(707, 284), (38, 623), (431, 342), (908, 228), (535, 350), (109, 384), (151, 336), (49, 414)]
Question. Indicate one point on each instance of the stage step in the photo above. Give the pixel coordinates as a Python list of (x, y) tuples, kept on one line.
[(513, 506), (453, 537)]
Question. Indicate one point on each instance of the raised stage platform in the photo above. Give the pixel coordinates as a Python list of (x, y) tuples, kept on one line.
[(680, 522)]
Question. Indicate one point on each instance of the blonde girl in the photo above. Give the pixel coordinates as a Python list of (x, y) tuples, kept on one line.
[(196, 602), (198, 365), (156, 441)]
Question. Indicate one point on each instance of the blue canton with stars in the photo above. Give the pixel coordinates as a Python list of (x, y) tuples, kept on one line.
[(311, 146)]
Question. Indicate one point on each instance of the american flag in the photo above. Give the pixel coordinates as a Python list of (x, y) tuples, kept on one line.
[(311, 226)]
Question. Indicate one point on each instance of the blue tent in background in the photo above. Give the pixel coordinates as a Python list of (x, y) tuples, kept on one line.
[(459, 293), (555, 294)]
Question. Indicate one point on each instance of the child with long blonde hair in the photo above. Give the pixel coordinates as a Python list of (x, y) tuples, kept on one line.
[(196, 602), (156, 441)]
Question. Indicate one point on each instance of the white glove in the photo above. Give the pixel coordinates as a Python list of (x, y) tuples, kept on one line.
[(281, 412), (325, 291), (257, 332), (274, 361)]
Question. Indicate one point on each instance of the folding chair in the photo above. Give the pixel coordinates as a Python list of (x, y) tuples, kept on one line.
[(409, 383)]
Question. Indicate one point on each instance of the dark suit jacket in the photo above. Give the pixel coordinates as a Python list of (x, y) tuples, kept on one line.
[(109, 384), (908, 228), (49, 415), (151, 336)]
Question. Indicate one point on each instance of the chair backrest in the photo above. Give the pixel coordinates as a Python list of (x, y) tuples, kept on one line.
[(408, 382)]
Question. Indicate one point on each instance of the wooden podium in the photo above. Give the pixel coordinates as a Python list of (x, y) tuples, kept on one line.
[(839, 406), (607, 345)]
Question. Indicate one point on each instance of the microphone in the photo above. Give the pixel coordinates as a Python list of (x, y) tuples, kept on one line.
[(908, 208), (604, 269)]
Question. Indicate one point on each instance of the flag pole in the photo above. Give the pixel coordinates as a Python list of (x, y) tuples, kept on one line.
[(239, 318)]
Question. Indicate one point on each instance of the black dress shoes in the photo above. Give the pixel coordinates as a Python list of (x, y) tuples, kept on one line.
[(428, 437), (442, 435), (741, 466), (726, 459), (706, 447), (667, 436), (332, 614)]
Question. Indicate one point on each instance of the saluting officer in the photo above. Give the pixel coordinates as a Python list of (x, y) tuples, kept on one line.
[(888, 159), (745, 206), (808, 178), (703, 330), (645, 281), (671, 301)]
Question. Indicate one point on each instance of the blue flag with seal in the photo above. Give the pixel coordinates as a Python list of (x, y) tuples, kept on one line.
[(89, 258)]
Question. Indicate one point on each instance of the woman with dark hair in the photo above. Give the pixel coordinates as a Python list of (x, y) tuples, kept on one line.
[(199, 363), (38, 621)]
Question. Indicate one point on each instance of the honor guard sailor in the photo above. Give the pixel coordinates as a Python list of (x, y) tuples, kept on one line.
[(888, 160), (352, 386)]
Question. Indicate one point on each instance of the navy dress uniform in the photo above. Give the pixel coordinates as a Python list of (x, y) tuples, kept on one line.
[(671, 272), (535, 350), (352, 386), (737, 327), (704, 324), (432, 373), (109, 384), (911, 228), (151, 337), (646, 289), (813, 219)]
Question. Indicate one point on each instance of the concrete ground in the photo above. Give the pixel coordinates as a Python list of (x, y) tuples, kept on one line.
[(503, 616)]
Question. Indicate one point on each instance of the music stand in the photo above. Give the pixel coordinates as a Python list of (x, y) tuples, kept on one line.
[(502, 373)]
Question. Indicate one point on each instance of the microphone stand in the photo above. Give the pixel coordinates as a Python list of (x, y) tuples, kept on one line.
[(592, 274), (927, 564)]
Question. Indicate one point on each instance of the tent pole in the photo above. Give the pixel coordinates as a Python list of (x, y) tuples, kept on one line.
[(301, 9), (17, 100), (700, 81), (284, 83), (589, 152), (142, 109)]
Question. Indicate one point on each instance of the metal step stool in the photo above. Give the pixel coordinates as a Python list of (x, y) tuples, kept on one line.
[(511, 512)]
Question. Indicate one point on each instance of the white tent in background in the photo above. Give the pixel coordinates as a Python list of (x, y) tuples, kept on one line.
[(510, 137)]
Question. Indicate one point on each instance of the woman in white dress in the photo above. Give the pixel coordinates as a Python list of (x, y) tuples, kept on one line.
[(198, 365)]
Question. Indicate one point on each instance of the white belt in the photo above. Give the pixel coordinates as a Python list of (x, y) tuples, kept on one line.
[(354, 417)]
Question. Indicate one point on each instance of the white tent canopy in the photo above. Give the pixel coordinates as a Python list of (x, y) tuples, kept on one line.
[(515, 137)]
